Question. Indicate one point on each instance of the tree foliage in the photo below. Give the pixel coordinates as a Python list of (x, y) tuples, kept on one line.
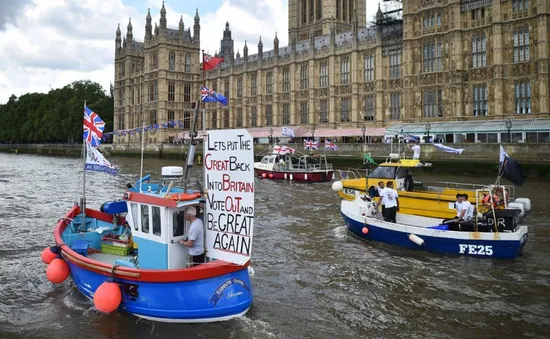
[(55, 116)]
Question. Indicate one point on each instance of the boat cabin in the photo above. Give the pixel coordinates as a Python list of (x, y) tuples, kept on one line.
[(397, 170), (289, 163), (158, 222)]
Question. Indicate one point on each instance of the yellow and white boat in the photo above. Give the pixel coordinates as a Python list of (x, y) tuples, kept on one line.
[(417, 197)]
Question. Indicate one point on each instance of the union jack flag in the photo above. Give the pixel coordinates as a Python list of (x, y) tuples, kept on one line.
[(330, 145), (310, 144), (93, 127)]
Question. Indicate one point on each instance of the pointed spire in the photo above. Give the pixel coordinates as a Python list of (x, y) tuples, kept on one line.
[(245, 50), (181, 23), (129, 35), (276, 44), (148, 18), (238, 54), (118, 31), (148, 27), (197, 17), (163, 22), (227, 25)]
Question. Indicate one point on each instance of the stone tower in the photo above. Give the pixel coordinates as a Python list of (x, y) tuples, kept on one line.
[(226, 48), (316, 15)]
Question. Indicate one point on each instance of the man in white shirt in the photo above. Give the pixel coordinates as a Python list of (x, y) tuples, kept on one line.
[(464, 209), (195, 238), (416, 150), (389, 198)]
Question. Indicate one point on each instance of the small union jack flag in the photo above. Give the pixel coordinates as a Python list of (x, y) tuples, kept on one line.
[(330, 145), (93, 127), (310, 144)]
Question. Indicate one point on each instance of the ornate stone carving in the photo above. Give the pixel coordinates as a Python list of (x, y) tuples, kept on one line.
[(478, 74), (427, 79), (520, 69), (304, 94), (368, 87)]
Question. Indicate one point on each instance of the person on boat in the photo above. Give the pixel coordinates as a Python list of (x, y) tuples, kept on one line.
[(409, 181), (390, 199), (463, 208), (471, 208), (195, 238), (416, 150)]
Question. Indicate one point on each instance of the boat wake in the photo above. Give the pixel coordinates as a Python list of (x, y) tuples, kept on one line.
[(340, 232)]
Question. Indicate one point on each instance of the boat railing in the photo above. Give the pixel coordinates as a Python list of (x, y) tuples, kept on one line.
[(351, 173), (440, 186)]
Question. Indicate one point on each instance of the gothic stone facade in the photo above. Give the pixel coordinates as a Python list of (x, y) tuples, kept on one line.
[(446, 60), (156, 80)]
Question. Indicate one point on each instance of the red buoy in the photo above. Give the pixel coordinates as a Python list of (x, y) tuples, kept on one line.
[(47, 255), (263, 175), (57, 271), (107, 297), (365, 230), (270, 175)]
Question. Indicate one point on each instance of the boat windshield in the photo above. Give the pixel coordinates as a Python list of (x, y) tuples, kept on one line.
[(383, 172)]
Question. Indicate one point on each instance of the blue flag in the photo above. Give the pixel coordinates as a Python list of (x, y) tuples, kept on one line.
[(208, 95)]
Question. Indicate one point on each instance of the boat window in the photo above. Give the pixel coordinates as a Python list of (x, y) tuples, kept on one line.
[(156, 221), (145, 218), (135, 216), (265, 161), (402, 173), (178, 223), (382, 172)]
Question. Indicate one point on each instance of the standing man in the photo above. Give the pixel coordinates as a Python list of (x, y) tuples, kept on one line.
[(416, 150), (390, 200), (195, 238)]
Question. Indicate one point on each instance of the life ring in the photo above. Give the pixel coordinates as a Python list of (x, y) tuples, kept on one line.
[(184, 196)]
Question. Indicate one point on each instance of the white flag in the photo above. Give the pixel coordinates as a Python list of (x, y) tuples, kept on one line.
[(95, 161)]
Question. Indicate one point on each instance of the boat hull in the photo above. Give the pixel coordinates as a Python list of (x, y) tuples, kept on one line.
[(316, 176), (483, 244), (207, 300)]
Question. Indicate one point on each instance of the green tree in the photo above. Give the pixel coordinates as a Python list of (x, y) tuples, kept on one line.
[(56, 116)]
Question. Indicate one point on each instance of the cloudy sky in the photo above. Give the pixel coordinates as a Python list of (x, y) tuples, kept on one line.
[(49, 44)]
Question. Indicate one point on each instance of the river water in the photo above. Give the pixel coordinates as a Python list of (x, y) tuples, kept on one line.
[(312, 280)]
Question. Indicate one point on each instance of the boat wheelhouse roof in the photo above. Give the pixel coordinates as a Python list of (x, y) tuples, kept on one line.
[(156, 194), (407, 163)]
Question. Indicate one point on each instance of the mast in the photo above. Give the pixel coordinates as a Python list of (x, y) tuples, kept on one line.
[(83, 200), (193, 134)]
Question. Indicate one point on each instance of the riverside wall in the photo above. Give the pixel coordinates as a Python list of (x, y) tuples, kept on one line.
[(478, 156)]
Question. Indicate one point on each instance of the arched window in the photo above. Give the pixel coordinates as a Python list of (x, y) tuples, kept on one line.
[(172, 61), (187, 63)]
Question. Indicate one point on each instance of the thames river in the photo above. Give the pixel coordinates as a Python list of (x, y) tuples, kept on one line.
[(312, 280)]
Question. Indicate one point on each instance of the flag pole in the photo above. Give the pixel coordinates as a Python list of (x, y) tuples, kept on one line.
[(142, 150), (83, 200)]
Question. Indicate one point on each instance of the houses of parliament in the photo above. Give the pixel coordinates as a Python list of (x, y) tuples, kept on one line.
[(437, 60)]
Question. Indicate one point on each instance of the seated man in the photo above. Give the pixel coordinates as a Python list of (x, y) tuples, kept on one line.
[(195, 238)]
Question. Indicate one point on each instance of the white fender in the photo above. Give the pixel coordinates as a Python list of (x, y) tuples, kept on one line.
[(251, 272), (517, 206), (285, 176), (416, 239), (305, 176), (526, 203), (337, 186), (291, 177)]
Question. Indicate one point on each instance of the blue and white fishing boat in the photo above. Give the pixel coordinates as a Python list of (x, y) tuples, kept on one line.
[(127, 254), (494, 233)]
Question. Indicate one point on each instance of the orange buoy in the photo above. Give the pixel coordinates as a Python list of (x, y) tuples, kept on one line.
[(48, 255), (57, 271), (184, 196), (365, 230), (107, 297)]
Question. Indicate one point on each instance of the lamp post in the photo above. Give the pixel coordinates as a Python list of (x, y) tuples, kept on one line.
[(428, 128), (270, 136), (363, 130), (509, 127)]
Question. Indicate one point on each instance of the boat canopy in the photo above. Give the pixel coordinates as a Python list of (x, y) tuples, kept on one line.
[(475, 126)]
